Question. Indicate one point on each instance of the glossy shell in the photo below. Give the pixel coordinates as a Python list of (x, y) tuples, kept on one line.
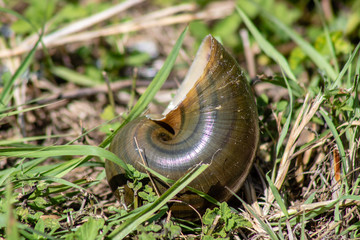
[(213, 119)]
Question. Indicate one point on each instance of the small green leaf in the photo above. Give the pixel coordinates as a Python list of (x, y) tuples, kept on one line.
[(40, 202), (90, 229), (173, 230), (108, 113), (40, 227)]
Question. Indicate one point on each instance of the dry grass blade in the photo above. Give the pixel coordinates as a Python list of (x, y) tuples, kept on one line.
[(313, 206), (90, 21), (333, 225), (77, 26), (304, 117), (212, 12), (215, 10), (101, 88)]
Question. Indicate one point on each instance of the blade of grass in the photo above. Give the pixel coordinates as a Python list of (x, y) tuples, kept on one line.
[(269, 49), (74, 77), (153, 87), (170, 181), (309, 50), (19, 16), (6, 93), (147, 96), (337, 82), (53, 179), (335, 133), (28, 232), (303, 222), (12, 113), (53, 151), (352, 228), (11, 223), (139, 107), (277, 197), (129, 225), (27, 139), (286, 126)]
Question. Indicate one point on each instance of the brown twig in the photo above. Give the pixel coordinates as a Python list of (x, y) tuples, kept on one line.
[(145, 164), (249, 55), (85, 92)]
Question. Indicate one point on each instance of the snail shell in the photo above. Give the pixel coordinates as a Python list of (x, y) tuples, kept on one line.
[(212, 119)]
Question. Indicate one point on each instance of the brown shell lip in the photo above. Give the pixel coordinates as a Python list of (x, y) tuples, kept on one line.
[(201, 62)]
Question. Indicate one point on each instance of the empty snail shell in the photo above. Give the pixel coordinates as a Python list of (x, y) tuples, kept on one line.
[(212, 119)]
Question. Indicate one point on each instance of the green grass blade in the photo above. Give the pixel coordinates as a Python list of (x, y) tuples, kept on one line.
[(350, 197), (53, 179), (286, 126), (303, 222), (29, 232), (150, 92), (266, 46), (170, 181), (28, 139), (309, 50), (153, 87), (277, 197), (129, 225), (15, 112), (335, 134), (6, 93), (53, 151), (11, 229), (19, 16), (74, 77), (337, 81)]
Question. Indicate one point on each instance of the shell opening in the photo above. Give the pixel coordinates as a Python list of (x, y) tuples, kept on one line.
[(166, 126), (167, 132)]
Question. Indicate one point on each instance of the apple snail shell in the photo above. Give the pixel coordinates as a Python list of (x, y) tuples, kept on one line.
[(212, 119)]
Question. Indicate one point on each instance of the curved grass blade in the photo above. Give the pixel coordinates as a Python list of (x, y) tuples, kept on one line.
[(269, 49), (153, 87), (19, 16), (54, 151), (336, 83), (309, 50), (170, 181), (286, 126), (148, 95), (28, 139), (53, 179), (335, 134), (278, 197), (6, 93), (74, 77)]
